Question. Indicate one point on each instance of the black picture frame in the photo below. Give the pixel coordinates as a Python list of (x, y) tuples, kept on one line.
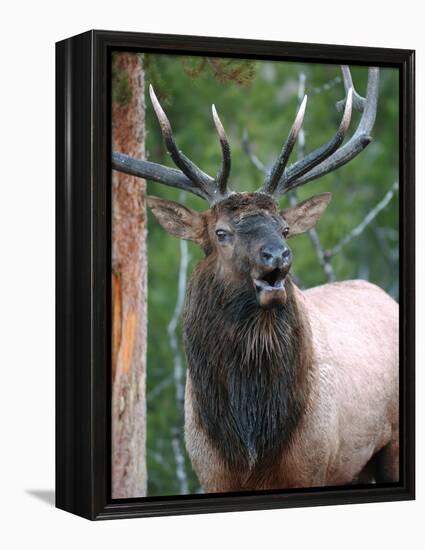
[(83, 273)]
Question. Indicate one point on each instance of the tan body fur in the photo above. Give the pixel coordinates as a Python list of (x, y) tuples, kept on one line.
[(352, 412)]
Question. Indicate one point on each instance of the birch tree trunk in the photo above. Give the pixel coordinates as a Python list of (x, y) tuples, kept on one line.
[(129, 284)]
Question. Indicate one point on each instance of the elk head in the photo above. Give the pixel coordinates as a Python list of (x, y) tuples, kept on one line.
[(245, 234)]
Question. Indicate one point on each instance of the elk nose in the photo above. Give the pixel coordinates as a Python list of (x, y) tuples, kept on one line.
[(275, 255)]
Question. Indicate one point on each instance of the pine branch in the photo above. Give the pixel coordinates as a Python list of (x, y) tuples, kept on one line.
[(159, 388), (247, 148), (370, 216)]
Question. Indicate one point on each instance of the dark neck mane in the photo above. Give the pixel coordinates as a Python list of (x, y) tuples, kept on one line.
[(249, 369)]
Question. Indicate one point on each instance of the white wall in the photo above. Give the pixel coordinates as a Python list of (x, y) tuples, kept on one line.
[(28, 33)]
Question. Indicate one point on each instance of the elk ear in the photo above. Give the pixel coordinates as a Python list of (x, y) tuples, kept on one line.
[(305, 215), (179, 220)]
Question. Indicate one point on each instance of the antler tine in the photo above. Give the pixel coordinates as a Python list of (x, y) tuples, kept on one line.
[(303, 166), (271, 182), (190, 178), (195, 174), (156, 172), (359, 140), (226, 162), (358, 100)]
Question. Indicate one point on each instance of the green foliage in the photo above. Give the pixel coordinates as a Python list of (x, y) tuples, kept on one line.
[(261, 98), (237, 71)]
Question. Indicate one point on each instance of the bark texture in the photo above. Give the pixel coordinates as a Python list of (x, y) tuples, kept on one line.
[(129, 284)]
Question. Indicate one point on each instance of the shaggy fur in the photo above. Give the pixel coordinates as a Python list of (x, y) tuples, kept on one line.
[(249, 368)]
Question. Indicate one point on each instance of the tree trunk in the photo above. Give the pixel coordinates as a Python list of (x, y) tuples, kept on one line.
[(129, 283)]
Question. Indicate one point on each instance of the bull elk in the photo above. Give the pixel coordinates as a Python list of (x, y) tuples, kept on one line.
[(285, 387)]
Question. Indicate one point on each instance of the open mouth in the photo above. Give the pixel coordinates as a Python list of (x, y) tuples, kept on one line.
[(270, 288), (275, 280)]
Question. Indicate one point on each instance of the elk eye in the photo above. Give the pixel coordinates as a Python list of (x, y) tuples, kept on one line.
[(221, 235), (285, 232)]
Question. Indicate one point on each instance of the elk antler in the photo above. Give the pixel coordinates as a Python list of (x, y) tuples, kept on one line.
[(330, 156), (276, 172), (226, 164), (281, 178), (190, 178)]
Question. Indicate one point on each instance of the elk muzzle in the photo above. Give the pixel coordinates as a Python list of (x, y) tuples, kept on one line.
[(268, 276)]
